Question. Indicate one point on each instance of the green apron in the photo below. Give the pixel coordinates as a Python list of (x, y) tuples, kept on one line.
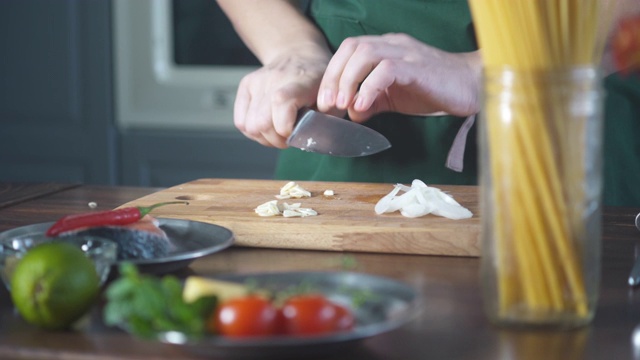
[(622, 141), (420, 145)]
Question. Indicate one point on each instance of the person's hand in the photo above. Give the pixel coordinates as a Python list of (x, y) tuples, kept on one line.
[(269, 98), (395, 72)]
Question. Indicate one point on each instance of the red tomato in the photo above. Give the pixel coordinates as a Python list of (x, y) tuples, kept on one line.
[(626, 44), (344, 318), (244, 317), (314, 315)]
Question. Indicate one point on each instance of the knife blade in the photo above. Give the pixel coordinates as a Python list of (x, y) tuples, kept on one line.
[(331, 135), (634, 276)]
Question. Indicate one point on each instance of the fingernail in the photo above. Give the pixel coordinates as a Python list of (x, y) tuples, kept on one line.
[(359, 105), (327, 97), (341, 101)]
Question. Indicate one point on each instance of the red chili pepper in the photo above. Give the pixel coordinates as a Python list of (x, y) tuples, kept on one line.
[(122, 216), (626, 45)]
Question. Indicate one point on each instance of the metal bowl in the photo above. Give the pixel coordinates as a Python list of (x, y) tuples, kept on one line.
[(188, 241), (379, 305), (14, 245)]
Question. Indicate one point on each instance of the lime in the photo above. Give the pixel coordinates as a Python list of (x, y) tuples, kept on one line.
[(54, 285)]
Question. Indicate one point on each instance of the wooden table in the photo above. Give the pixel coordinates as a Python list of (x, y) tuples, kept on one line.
[(14, 193), (451, 325)]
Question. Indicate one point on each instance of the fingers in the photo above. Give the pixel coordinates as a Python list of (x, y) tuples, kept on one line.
[(241, 109), (348, 67), (288, 100), (265, 112), (352, 65), (268, 99), (396, 72), (380, 78), (335, 94), (252, 113)]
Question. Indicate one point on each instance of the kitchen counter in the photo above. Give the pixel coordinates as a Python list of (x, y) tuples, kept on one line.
[(451, 324)]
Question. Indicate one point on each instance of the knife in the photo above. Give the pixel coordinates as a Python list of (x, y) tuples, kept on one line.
[(331, 135), (634, 276)]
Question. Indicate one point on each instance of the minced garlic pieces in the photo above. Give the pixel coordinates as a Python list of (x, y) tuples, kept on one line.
[(292, 190), (272, 208), (294, 210), (289, 190)]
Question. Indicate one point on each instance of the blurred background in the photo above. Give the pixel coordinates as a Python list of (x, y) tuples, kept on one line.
[(122, 92)]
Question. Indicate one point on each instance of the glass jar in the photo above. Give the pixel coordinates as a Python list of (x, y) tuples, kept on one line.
[(540, 187)]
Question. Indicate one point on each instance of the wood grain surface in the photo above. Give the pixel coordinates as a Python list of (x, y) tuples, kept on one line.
[(450, 326), (346, 221), (14, 193)]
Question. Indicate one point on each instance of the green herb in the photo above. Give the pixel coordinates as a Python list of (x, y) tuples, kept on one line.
[(146, 305), (358, 296), (348, 262), (281, 295)]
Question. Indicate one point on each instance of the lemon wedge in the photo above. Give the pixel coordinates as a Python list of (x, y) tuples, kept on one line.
[(196, 287)]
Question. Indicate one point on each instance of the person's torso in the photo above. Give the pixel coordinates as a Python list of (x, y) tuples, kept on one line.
[(419, 145)]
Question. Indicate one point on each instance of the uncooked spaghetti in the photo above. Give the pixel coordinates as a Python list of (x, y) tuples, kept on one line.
[(535, 159)]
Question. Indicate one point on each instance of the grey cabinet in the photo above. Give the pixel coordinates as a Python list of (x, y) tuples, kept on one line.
[(162, 158), (56, 120), (58, 109)]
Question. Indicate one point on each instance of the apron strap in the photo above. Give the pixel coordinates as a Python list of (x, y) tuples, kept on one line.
[(455, 159)]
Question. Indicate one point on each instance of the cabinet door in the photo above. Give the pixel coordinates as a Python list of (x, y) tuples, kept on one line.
[(167, 158), (56, 120)]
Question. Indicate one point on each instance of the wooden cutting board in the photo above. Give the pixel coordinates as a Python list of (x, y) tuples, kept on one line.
[(345, 222)]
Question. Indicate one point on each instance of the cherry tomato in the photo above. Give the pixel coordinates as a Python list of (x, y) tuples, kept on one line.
[(626, 44), (344, 318), (244, 317), (314, 315)]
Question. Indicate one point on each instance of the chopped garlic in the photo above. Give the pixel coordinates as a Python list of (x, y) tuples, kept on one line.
[(291, 213), (287, 187), (307, 212), (328, 193), (292, 190), (293, 206), (272, 208), (288, 191), (299, 212)]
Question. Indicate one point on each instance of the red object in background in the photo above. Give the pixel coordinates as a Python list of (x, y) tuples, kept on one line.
[(626, 45), (118, 217), (245, 317), (314, 315), (301, 315)]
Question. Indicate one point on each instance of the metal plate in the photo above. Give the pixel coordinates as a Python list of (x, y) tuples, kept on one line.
[(387, 305), (190, 240)]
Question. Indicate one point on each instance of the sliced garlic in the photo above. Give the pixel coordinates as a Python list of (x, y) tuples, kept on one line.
[(293, 206), (299, 212), (292, 190), (295, 210), (291, 213), (328, 192), (287, 187), (307, 212), (272, 208)]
